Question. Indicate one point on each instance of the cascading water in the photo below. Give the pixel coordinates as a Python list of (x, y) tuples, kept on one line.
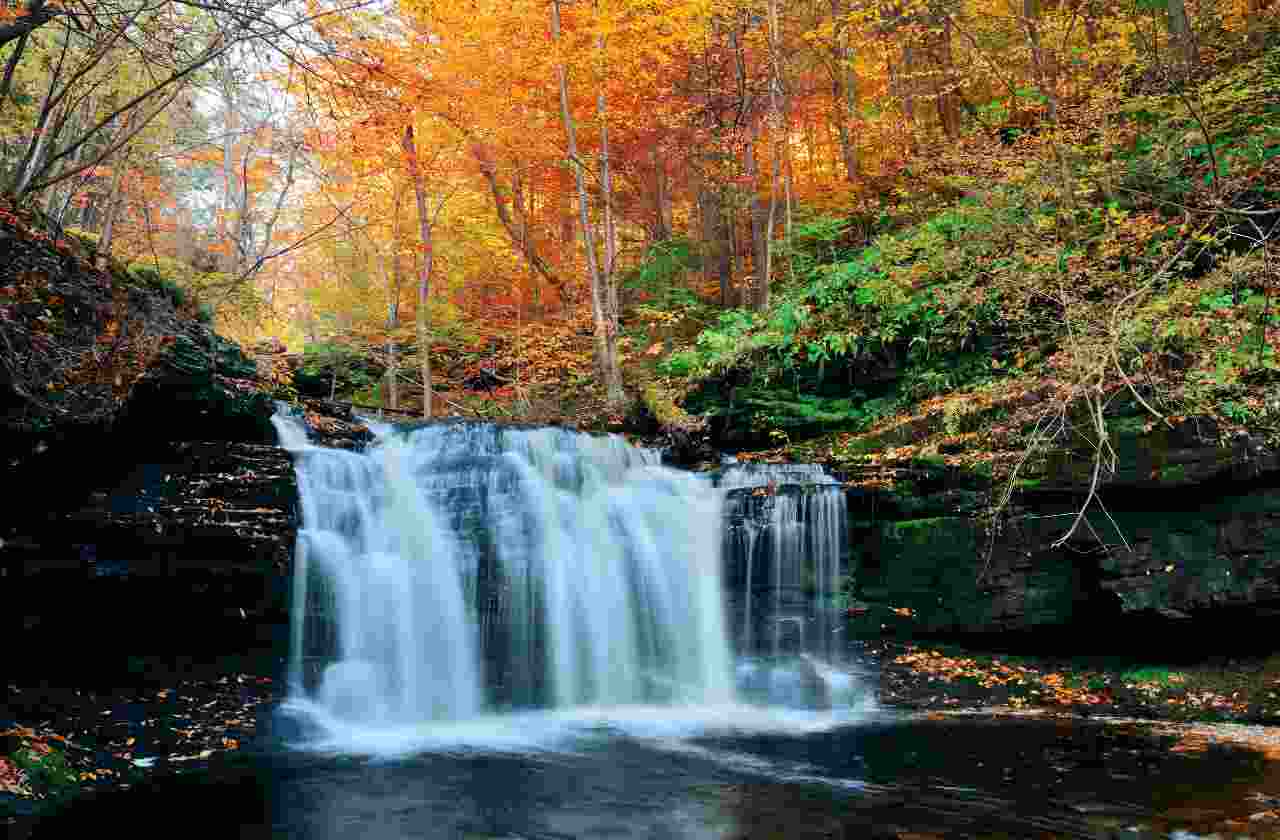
[(464, 567), (783, 545)]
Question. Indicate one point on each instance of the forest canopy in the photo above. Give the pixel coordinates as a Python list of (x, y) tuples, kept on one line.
[(639, 195)]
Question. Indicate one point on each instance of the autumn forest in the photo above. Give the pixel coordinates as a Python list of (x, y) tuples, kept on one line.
[(455, 205)]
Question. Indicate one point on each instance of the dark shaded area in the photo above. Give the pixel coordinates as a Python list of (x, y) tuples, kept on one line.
[(1180, 552), (1227, 634), (184, 557)]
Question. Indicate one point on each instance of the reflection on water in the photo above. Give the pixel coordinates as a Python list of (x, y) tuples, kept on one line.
[(616, 777)]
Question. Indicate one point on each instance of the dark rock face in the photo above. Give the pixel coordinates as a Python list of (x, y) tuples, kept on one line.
[(186, 558), (87, 348), (938, 570), (101, 366), (202, 387), (1223, 554), (119, 539), (1193, 532)]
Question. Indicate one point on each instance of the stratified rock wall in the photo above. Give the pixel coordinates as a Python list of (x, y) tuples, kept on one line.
[(185, 559), (1191, 526), (183, 555)]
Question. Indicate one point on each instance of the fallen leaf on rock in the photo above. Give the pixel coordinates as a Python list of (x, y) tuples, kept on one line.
[(11, 778)]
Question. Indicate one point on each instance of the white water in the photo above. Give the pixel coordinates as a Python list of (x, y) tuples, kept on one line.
[(786, 531), (466, 586), (389, 577), (464, 569)]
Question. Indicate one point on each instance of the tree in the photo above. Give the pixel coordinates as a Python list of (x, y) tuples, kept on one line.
[(164, 45), (259, 157), (599, 276)]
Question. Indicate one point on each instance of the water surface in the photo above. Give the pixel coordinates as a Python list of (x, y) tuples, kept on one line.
[(631, 777)]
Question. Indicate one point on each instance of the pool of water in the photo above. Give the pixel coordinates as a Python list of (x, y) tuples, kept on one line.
[(709, 773)]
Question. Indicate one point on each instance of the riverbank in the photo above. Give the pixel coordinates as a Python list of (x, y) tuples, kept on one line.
[(59, 743), (943, 677), (919, 775)]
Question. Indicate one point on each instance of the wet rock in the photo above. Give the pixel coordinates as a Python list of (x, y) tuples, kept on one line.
[(196, 540), (1189, 533)]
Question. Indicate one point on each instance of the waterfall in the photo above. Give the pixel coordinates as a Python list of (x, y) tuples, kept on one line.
[(786, 532), (463, 567), (784, 535)]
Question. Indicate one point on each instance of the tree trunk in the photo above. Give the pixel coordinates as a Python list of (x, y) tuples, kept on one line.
[(606, 185), (1091, 15), (424, 276), (1042, 61), (393, 366), (777, 124), (948, 110), (775, 182), (759, 293), (523, 203), (230, 226), (1180, 35), (518, 228), (54, 206), (729, 213), (715, 236), (113, 204), (606, 363), (393, 310), (789, 219), (848, 151), (661, 199), (35, 151), (844, 92), (907, 80), (613, 378)]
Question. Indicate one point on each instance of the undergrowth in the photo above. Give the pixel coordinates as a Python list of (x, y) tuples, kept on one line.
[(1151, 282)]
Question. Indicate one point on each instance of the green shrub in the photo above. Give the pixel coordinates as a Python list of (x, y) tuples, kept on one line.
[(323, 363), (1153, 674), (663, 266), (48, 773)]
